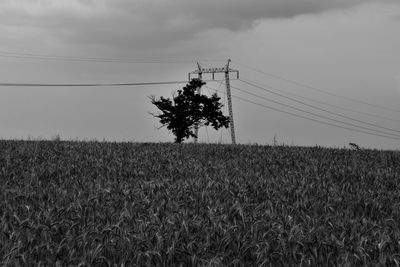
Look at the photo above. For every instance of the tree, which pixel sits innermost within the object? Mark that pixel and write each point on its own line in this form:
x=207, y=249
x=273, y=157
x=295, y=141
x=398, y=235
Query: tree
x=189, y=110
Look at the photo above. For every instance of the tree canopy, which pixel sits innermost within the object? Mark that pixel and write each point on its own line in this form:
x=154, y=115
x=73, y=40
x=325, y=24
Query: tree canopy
x=188, y=110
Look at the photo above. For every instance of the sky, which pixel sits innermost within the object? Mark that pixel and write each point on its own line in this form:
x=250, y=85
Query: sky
x=312, y=72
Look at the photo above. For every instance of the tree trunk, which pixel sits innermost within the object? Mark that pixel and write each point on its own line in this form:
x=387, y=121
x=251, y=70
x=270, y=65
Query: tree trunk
x=178, y=139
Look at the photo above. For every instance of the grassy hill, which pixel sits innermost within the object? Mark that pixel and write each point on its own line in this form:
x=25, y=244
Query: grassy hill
x=138, y=204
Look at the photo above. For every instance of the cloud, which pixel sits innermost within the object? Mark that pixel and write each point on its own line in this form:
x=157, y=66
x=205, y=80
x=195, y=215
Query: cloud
x=148, y=25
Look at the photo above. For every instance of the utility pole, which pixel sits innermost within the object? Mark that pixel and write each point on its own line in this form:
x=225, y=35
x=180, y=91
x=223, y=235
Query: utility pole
x=228, y=93
x=199, y=76
x=226, y=70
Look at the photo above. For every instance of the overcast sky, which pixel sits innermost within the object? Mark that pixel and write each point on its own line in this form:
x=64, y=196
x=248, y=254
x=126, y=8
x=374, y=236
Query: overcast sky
x=345, y=52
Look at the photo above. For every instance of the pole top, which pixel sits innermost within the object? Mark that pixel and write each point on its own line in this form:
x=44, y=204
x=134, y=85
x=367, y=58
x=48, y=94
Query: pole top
x=227, y=65
x=200, y=70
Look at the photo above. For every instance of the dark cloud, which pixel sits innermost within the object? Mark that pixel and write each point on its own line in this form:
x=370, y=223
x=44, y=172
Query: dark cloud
x=146, y=25
x=232, y=14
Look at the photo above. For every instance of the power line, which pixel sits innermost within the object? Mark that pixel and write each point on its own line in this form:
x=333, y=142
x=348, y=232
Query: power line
x=307, y=118
x=90, y=84
x=315, y=89
x=315, y=107
x=86, y=84
x=97, y=59
x=328, y=104
x=315, y=114
x=311, y=113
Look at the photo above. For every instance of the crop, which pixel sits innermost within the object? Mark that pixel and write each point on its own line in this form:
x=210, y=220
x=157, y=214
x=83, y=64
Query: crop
x=149, y=204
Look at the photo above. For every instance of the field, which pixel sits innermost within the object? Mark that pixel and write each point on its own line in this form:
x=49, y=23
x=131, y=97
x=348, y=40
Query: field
x=147, y=204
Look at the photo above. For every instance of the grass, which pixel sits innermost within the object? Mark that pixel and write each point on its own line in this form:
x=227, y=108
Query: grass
x=147, y=204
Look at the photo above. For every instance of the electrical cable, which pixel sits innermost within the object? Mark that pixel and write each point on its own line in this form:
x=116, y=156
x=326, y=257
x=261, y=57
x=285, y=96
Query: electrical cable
x=315, y=89
x=328, y=104
x=96, y=59
x=321, y=109
x=314, y=114
x=307, y=118
x=89, y=84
